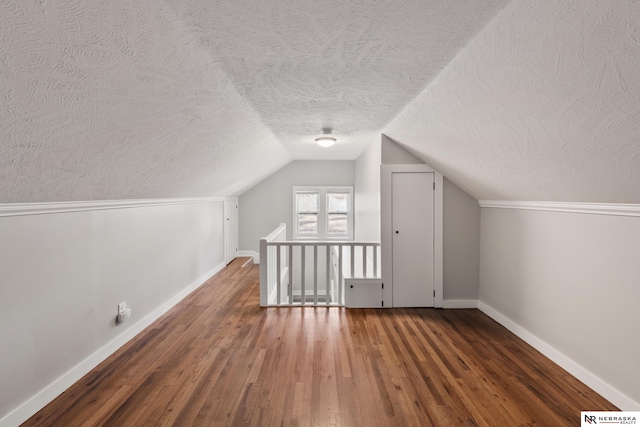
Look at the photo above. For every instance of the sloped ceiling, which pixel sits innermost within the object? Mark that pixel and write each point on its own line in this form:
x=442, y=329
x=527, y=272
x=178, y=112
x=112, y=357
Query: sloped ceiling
x=117, y=100
x=125, y=99
x=543, y=105
x=145, y=98
x=347, y=65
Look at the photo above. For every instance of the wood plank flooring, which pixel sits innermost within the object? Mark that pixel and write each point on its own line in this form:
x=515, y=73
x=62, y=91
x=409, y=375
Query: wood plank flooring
x=218, y=359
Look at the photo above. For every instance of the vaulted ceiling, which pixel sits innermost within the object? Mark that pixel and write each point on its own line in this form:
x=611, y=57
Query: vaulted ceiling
x=178, y=98
x=543, y=105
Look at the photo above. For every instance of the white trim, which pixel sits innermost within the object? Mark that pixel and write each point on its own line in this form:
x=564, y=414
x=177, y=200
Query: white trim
x=386, y=170
x=19, y=209
x=460, y=303
x=607, y=391
x=53, y=390
x=280, y=229
x=231, y=219
x=255, y=255
x=619, y=209
x=438, y=239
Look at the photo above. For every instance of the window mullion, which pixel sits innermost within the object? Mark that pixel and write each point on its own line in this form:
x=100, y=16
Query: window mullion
x=323, y=218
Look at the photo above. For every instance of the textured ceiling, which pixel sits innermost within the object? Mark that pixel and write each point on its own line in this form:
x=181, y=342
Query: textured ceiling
x=124, y=99
x=144, y=98
x=543, y=105
x=116, y=99
x=347, y=65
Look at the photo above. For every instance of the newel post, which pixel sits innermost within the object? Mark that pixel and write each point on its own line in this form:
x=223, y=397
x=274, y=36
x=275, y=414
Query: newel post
x=264, y=267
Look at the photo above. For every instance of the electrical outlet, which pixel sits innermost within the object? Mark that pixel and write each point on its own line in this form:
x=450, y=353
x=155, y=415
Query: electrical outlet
x=123, y=312
x=124, y=315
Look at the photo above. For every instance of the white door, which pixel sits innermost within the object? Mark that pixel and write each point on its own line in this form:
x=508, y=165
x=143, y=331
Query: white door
x=230, y=230
x=412, y=220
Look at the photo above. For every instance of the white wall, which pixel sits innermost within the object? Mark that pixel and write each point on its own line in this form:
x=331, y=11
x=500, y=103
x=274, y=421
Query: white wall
x=461, y=246
x=573, y=281
x=393, y=154
x=269, y=203
x=367, y=194
x=63, y=275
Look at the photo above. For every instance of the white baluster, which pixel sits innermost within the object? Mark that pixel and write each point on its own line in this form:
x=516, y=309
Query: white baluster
x=303, y=271
x=290, y=285
x=328, y=276
x=340, y=277
x=278, y=275
x=375, y=261
x=353, y=260
x=364, y=260
x=315, y=274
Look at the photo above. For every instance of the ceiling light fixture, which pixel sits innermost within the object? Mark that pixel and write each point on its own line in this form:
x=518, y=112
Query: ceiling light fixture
x=326, y=140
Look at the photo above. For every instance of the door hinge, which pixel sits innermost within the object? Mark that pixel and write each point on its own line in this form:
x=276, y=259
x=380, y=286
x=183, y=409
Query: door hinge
x=382, y=303
x=383, y=286
x=434, y=185
x=434, y=294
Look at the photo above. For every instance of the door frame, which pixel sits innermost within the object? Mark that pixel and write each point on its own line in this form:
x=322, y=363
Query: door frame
x=230, y=228
x=386, y=232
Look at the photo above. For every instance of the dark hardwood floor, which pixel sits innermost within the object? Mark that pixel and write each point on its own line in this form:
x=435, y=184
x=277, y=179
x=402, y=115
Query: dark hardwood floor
x=217, y=358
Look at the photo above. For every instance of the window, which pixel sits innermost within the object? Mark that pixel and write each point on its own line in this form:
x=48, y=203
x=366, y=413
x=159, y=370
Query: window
x=337, y=213
x=323, y=212
x=307, y=212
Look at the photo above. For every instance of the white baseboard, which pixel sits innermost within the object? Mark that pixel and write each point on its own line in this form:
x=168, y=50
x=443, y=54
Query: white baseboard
x=460, y=303
x=255, y=255
x=53, y=390
x=607, y=391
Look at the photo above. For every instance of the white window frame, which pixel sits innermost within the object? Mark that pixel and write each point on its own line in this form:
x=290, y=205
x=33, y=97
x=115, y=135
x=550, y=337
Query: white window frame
x=323, y=217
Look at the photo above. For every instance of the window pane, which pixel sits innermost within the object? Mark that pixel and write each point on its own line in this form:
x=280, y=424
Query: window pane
x=308, y=223
x=337, y=223
x=307, y=202
x=338, y=202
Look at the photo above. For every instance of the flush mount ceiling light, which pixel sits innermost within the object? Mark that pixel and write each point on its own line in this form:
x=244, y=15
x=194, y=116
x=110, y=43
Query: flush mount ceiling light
x=326, y=140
